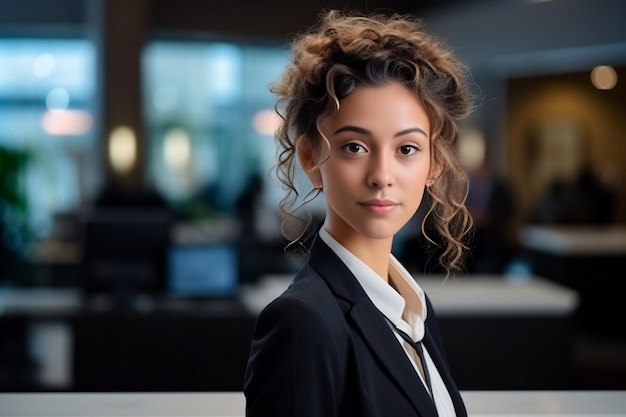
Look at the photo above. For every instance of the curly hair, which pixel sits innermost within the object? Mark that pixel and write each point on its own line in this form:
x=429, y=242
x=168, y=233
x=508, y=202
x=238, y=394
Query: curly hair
x=345, y=51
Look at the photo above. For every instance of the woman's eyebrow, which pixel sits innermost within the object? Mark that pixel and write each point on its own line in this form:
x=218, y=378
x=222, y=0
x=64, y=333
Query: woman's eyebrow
x=411, y=130
x=354, y=129
x=363, y=131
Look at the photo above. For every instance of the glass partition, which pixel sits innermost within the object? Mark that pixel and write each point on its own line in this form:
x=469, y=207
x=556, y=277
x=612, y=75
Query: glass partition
x=210, y=122
x=46, y=114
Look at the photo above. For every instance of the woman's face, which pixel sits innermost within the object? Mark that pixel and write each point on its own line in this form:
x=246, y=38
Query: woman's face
x=379, y=163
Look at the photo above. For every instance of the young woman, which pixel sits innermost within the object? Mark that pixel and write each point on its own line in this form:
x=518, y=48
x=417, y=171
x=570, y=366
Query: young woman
x=371, y=106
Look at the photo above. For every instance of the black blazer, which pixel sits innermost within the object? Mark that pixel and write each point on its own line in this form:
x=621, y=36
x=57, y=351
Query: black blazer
x=323, y=349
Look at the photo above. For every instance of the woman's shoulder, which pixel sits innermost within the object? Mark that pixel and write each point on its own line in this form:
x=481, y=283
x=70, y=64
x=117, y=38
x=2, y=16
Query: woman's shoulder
x=307, y=291
x=307, y=303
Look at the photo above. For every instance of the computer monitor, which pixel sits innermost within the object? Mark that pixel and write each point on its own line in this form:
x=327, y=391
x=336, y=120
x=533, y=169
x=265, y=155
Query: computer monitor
x=206, y=270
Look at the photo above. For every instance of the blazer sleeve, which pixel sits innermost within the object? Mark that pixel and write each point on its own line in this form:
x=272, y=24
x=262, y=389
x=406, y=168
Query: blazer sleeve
x=294, y=368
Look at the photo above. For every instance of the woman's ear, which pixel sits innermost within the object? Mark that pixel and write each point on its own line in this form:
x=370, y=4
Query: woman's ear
x=436, y=169
x=308, y=161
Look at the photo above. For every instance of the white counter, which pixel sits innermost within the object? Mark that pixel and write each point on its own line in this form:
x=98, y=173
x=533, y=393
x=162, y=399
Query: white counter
x=491, y=295
x=467, y=295
x=39, y=301
x=545, y=403
x=478, y=403
x=480, y=294
x=575, y=240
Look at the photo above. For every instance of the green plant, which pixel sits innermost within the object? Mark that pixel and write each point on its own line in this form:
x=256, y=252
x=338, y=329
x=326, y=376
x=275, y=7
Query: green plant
x=13, y=201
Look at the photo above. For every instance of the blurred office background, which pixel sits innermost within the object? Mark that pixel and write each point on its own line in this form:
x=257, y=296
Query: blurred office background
x=138, y=226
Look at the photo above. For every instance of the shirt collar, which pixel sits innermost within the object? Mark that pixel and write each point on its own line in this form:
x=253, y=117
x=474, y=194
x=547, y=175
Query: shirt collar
x=405, y=308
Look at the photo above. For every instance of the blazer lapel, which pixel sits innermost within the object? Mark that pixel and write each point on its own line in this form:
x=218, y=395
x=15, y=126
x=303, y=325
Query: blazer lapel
x=373, y=326
x=379, y=336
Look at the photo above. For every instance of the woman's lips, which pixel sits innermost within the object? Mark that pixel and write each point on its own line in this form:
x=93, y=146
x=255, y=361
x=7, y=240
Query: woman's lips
x=379, y=206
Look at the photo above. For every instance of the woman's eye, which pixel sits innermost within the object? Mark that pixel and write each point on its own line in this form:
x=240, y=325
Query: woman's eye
x=408, y=149
x=354, y=148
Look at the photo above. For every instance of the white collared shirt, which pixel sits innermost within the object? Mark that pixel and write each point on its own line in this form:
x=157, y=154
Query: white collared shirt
x=405, y=308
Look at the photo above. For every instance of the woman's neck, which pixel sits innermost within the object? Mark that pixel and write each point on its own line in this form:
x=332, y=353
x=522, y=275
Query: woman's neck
x=373, y=252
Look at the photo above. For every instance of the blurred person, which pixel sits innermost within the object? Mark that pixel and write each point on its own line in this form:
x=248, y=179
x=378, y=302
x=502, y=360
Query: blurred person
x=490, y=202
x=586, y=201
x=371, y=106
x=246, y=206
x=592, y=201
x=117, y=195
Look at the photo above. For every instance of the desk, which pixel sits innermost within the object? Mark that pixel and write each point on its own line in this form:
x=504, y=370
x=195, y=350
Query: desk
x=185, y=346
x=513, y=330
x=35, y=319
x=159, y=345
x=518, y=333
x=232, y=404
x=588, y=259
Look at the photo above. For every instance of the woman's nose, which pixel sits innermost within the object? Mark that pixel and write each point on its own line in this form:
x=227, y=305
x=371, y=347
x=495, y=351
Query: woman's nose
x=380, y=172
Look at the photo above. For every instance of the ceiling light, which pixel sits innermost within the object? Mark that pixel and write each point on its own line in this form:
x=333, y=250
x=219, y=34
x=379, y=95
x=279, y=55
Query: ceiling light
x=603, y=77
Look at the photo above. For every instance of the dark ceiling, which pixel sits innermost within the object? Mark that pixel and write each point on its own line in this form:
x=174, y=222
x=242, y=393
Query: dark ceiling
x=273, y=18
x=32, y=12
